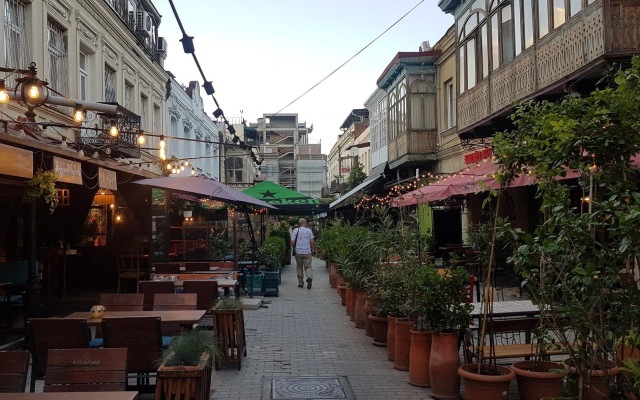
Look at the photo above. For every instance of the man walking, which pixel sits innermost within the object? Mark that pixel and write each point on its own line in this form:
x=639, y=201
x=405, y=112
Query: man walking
x=303, y=244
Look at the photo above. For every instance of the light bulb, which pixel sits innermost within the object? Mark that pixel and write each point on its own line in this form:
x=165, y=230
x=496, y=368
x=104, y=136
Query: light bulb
x=64, y=143
x=186, y=163
x=113, y=131
x=4, y=96
x=162, y=144
x=169, y=166
x=182, y=168
x=174, y=171
x=34, y=91
x=141, y=139
x=78, y=114
x=81, y=153
x=193, y=171
x=162, y=154
x=107, y=151
x=95, y=154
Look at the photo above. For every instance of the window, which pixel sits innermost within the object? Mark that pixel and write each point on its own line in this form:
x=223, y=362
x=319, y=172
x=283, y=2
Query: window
x=528, y=23
x=157, y=123
x=128, y=96
x=543, y=18
x=507, y=39
x=484, y=50
x=575, y=6
x=16, y=41
x=83, y=76
x=495, y=42
x=423, y=105
x=517, y=27
x=449, y=104
x=233, y=167
x=471, y=63
x=109, y=85
x=559, y=13
x=392, y=116
x=143, y=112
x=58, y=61
x=462, y=72
x=382, y=122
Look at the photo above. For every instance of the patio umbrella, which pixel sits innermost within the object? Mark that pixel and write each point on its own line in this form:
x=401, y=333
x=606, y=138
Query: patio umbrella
x=289, y=202
x=204, y=186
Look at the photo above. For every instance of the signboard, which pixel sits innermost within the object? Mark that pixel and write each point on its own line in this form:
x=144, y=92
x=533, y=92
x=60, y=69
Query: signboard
x=16, y=162
x=67, y=171
x=107, y=179
x=345, y=170
x=477, y=156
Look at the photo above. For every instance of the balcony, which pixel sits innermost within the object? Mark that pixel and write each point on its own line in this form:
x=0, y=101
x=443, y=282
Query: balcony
x=575, y=51
x=412, y=147
x=96, y=124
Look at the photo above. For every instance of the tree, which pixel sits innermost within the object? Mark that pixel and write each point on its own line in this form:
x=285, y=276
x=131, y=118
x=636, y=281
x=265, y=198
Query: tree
x=581, y=263
x=356, y=176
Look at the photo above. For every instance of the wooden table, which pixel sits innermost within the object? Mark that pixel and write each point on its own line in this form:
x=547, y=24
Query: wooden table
x=182, y=317
x=516, y=308
x=129, y=395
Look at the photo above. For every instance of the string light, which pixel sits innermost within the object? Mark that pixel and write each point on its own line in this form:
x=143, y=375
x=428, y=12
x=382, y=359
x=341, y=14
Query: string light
x=78, y=114
x=141, y=139
x=4, y=96
x=113, y=130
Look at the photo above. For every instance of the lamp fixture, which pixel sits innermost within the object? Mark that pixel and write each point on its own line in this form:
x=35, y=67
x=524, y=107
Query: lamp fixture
x=113, y=131
x=78, y=114
x=218, y=113
x=81, y=153
x=162, y=152
x=63, y=144
x=95, y=154
x=193, y=171
x=231, y=130
x=4, y=96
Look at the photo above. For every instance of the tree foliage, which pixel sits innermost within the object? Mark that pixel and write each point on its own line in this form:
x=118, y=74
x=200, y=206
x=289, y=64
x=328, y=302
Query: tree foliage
x=356, y=176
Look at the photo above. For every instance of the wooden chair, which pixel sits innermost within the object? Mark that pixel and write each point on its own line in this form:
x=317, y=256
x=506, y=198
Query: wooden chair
x=196, y=266
x=53, y=333
x=14, y=365
x=86, y=370
x=150, y=288
x=122, y=301
x=207, y=292
x=129, y=260
x=141, y=336
x=175, y=301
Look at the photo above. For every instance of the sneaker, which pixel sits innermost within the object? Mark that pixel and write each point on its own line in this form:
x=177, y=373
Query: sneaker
x=300, y=284
x=309, y=283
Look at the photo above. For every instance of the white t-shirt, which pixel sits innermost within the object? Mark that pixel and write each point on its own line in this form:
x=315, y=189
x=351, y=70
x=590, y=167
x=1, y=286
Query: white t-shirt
x=303, y=243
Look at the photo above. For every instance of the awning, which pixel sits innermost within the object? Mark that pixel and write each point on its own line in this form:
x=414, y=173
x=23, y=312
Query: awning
x=470, y=180
x=289, y=202
x=377, y=173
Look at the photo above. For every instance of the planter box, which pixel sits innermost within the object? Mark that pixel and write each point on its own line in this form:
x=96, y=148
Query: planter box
x=185, y=382
x=270, y=282
x=228, y=326
x=255, y=286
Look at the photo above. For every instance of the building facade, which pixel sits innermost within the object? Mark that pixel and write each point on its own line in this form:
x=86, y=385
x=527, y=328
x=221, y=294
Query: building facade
x=191, y=134
x=288, y=158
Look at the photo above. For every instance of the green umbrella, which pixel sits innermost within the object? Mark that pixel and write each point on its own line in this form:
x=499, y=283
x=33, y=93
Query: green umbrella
x=288, y=202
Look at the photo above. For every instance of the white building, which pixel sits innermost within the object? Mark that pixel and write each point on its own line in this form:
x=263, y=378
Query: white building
x=192, y=136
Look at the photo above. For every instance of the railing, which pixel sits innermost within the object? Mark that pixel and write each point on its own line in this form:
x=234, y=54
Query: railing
x=413, y=146
x=127, y=123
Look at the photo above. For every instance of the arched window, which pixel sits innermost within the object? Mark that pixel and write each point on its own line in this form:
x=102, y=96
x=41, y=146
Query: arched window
x=473, y=52
x=393, y=116
x=423, y=105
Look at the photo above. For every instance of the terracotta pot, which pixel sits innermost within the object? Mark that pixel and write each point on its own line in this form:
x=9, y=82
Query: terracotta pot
x=402, y=344
x=625, y=351
x=598, y=379
x=352, y=305
x=379, y=328
x=333, y=279
x=349, y=298
x=360, y=311
x=343, y=294
x=492, y=386
x=443, y=366
x=368, y=327
x=537, y=379
x=419, y=359
x=391, y=338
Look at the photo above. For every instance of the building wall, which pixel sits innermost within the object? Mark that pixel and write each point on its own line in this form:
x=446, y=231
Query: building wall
x=187, y=119
x=377, y=106
x=95, y=30
x=364, y=149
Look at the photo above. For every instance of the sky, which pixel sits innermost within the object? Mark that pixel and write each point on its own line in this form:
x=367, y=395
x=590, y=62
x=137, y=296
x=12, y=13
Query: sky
x=262, y=54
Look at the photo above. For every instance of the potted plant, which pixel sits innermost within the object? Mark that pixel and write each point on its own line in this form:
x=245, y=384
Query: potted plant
x=270, y=255
x=184, y=371
x=448, y=315
x=228, y=322
x=582, y=261
x=187, y=209
x=42, y=185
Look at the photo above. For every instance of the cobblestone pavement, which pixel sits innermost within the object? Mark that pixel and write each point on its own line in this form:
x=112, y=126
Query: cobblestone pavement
x=307, y=333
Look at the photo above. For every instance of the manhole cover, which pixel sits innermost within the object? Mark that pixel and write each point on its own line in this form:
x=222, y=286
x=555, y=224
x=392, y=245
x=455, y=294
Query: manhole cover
x=307, y=388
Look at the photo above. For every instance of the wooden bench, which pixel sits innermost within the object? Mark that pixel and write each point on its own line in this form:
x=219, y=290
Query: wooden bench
x=513, y=338
x=86, y=370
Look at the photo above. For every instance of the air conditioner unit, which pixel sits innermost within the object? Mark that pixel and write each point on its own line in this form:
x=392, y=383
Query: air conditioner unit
x=144, y=22
x=162, y=45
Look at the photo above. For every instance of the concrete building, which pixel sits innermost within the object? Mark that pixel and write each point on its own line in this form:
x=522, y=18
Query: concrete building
x=240, y=170
x=197, y=137
x=289, y=159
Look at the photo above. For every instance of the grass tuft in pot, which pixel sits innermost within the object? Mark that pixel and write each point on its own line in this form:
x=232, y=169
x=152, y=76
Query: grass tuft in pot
x=187, y=348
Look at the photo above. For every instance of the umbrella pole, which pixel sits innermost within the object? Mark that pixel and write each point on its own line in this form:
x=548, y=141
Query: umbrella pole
x=253, y=250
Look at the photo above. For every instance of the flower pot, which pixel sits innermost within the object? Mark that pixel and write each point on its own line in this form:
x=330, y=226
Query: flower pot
x=230, y=335
x=333, y=278
x=598, y=378
x=391, y=338
x=187, y=213
x=419, y=358
x=185, y=382
x=443, y=366
x=360, y=312
x=343, y=294
x=492, y=385
x=402, y=344
x=368, y=327
x=536, y=379
x=379, y=328
x=349, y=298
x=352, y=305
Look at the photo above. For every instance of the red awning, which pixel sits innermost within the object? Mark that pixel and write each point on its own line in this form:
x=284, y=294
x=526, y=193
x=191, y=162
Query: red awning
x=472, y=179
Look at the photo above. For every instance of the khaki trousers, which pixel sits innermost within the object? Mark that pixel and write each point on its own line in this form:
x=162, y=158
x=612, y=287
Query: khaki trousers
x=303, y=261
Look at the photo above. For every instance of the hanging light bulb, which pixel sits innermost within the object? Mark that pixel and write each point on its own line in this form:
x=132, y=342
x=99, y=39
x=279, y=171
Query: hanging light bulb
x=34, y=90
x=169, y=166
x=64, y=143
x=162, y=154
x=174, y=171
x=4, y=96
x=78, y=114
x=107, y=151
x=95, y=154
x=162, y=143
x=182, y=167
x=113, y=131
x=193, y=171
x=141, y=138
x=186, y=163
x=81, y=153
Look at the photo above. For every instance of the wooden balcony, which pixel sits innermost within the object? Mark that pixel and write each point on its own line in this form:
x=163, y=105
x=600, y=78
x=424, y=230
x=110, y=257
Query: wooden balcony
x=576, y=50
x=412, y=147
